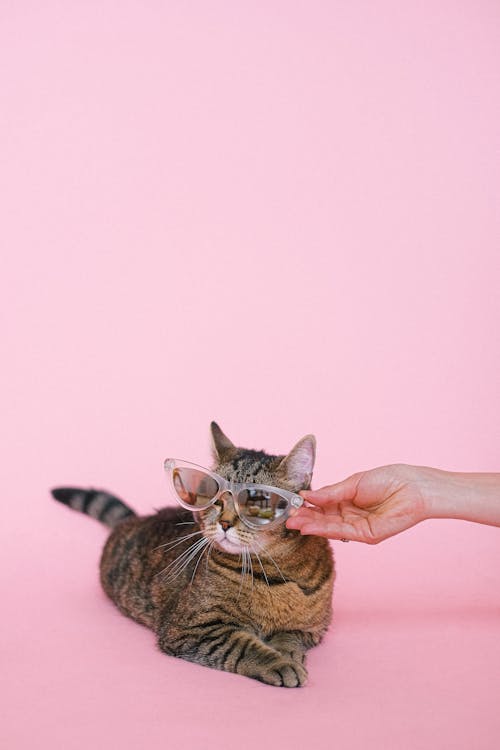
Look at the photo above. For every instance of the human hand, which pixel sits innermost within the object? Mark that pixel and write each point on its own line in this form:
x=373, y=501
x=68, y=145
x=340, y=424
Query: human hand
x=369, y=506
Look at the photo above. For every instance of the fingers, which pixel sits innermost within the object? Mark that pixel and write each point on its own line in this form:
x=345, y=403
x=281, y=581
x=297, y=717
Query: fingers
x=323, y=518
x=315, y=521
x=304, y=514
x=309, y=521
x=334, y=493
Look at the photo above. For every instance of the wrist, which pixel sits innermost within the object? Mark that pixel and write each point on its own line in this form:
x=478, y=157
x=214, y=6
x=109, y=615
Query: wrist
x=465, y=496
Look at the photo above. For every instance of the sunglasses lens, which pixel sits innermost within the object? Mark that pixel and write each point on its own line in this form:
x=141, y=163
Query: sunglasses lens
x=261, y=507
x=194, y=487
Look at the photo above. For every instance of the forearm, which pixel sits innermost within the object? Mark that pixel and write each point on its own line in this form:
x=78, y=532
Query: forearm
x=470, y=497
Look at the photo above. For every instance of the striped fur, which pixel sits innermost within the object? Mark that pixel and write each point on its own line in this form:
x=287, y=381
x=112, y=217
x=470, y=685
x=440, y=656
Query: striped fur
x=98, y=504
x=255, y=613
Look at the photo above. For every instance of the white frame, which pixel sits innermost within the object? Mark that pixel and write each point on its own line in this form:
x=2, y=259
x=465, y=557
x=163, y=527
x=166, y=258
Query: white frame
x=234, y=489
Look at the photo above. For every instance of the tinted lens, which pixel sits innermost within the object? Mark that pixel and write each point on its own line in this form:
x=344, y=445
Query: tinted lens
x=194, y=487
x=261, y=507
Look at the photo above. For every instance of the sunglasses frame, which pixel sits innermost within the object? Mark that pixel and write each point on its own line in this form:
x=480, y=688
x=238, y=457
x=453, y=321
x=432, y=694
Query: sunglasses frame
x=234, y=489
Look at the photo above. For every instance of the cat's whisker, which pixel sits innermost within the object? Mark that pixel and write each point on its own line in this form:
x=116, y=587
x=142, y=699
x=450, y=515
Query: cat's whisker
x=177, y=540
x=182, y=556
x=247, y=555
x=203, y=550
x=251, y=565
x=242, y=574
x=178, y=560
x=264, y=572
x=246, y=563
x=174, y=542
x=184, y=523
x=191, y=553
x=210, y=548
x=181, y=565
x=266, y=553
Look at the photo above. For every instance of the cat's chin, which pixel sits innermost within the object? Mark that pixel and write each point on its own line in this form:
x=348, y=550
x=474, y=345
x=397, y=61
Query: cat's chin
x=226, y=546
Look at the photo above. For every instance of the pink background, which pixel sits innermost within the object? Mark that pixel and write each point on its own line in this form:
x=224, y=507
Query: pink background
x=278, y=215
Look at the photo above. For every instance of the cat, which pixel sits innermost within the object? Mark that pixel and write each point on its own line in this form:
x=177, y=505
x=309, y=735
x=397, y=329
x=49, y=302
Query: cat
x=253, y=611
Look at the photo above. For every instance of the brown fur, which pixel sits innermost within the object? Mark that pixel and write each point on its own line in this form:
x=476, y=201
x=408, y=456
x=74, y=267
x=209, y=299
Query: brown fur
x=209, y=612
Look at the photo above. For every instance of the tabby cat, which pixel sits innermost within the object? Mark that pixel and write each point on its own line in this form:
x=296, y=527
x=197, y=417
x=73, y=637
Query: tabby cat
x=254, y=610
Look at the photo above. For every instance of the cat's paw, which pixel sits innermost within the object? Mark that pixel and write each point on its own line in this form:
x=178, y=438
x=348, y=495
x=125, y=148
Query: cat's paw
x=282, y=672
x=295, y=655
x=288, y=647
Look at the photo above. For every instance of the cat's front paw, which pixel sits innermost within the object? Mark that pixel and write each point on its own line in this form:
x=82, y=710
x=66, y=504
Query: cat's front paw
x=282, y=672
x=296, y=655
x=289, y=647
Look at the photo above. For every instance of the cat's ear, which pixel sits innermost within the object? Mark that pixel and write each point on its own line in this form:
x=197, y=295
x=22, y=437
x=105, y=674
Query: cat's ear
x=221, y=442
x=298, y=465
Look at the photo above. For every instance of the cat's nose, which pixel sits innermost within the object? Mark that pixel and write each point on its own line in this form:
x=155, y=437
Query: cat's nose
x=225, y=524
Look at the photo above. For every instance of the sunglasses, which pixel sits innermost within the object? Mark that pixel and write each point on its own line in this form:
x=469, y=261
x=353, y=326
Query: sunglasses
x=257, y=505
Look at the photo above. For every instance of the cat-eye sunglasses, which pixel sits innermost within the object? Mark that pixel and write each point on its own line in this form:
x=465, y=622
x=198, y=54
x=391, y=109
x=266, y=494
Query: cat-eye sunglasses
x=259, y=506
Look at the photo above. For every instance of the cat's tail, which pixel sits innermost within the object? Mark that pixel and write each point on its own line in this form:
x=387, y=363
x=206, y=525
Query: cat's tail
x=99, y=504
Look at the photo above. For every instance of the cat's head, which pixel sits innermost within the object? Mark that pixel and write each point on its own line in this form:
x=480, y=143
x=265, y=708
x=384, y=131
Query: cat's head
x=292, y=472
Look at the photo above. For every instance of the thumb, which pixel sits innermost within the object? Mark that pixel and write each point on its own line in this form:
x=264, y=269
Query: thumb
x=334, y=493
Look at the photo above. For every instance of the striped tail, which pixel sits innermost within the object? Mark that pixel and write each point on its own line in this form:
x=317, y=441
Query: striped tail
x=96, y=503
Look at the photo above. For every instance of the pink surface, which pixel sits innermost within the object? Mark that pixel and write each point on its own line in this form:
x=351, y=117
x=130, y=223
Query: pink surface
x=280, y=216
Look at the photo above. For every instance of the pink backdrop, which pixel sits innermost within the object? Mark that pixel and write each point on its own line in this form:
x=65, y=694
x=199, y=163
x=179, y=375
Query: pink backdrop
x=278, y=215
